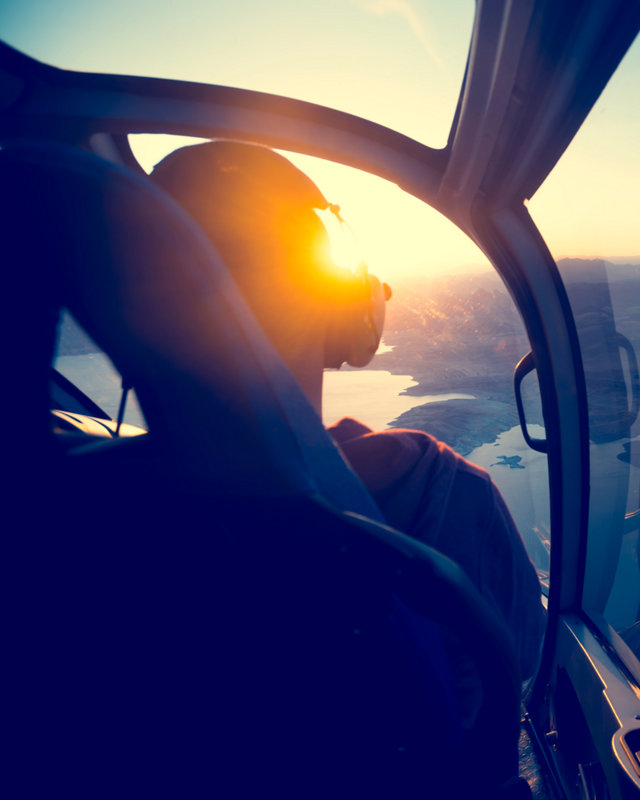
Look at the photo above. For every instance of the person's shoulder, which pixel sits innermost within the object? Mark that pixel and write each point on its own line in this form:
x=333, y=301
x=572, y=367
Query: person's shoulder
x=348, y=432
x=446, y=453
x=401, y=450
x=381, y=458
x=347, y=428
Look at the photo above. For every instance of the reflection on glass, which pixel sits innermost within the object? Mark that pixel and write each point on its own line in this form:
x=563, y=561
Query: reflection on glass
x=606, y=302
x=588, y=208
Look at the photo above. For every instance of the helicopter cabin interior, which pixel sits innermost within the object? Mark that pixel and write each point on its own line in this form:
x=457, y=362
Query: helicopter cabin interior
x=203, y=597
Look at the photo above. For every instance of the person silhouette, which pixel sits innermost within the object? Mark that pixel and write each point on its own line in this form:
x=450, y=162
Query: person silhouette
x=261, y=214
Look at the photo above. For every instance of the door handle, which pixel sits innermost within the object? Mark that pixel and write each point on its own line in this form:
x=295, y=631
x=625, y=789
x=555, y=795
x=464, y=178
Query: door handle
x=523, y=368
x=634, y=389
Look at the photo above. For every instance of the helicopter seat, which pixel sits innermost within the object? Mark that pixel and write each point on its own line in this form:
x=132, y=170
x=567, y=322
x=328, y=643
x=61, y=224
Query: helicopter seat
x=217, y=604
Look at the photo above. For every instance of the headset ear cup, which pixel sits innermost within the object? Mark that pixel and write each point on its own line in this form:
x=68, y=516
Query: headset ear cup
x=334, y=347
x=354, y=334
x=367, y=324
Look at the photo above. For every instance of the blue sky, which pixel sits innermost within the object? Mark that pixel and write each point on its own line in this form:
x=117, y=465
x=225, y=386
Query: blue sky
x=382, y=59
x=397, y=62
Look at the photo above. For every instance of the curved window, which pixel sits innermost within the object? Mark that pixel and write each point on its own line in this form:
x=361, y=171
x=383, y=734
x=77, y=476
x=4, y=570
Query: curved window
x=450, y=346
x=400, y=64
x=452, y=339
x=588, y=212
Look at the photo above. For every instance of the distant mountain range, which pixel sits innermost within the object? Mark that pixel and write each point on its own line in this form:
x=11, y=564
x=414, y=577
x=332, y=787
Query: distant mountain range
x=462, y=333
x=596, y=269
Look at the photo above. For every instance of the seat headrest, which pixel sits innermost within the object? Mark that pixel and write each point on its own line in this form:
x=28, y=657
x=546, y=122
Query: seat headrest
x=148, y=286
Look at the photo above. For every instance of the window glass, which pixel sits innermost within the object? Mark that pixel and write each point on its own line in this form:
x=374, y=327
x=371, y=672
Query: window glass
x=452, y=338
x=587, y=211
x=450, y=346
x=397, y=63
x=83, y=363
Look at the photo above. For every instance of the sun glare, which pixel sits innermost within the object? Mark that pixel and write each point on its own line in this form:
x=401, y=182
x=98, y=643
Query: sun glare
x=394, y=233
x=345, y=249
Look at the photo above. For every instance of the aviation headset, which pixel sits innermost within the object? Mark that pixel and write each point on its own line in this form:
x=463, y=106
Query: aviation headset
x=353, y=335
x=248, y=178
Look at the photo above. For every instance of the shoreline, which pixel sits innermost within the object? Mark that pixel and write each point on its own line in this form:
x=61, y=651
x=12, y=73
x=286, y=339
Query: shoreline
x=462, y=424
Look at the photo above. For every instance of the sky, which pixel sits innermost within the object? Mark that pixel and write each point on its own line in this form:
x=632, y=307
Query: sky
x=396, y=62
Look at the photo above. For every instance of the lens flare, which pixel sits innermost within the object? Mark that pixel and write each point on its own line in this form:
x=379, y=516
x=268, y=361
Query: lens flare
x=345, y=251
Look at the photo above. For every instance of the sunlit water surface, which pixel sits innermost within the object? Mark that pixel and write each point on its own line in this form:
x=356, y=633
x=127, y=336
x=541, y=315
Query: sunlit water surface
x=372, y=396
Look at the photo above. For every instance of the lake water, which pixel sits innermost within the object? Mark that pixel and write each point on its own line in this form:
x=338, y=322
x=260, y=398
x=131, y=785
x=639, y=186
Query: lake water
x=373, y=396
x=524, y=484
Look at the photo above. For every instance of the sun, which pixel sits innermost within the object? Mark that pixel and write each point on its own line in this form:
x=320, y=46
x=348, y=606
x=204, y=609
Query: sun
x=396, y=234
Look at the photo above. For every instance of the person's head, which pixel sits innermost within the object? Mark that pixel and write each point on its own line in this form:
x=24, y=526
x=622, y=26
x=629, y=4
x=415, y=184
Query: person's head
x=258, y=209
